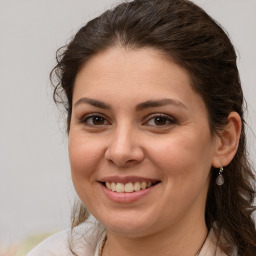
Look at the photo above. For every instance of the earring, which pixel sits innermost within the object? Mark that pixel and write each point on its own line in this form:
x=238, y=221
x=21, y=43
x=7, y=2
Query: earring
x=220, y=178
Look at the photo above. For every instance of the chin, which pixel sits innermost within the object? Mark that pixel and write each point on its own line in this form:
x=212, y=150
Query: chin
x=129, y=225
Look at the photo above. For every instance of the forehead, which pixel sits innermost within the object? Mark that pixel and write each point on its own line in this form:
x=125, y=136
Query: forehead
x=122, y=59
x=131, y=67
x=130, y=76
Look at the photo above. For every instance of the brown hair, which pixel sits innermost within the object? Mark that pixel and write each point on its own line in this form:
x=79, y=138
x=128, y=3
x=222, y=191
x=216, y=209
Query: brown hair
x=184, y=32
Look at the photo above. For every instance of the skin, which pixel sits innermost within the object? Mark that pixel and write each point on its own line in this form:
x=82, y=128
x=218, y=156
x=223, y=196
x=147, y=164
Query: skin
x=126, y=140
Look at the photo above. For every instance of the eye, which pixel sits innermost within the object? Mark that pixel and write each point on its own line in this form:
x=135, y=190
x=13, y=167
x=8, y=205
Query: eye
x=160, y=120
x=94, y=120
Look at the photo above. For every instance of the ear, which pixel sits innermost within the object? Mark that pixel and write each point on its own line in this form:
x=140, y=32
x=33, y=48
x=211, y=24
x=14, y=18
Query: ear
x=226, y=141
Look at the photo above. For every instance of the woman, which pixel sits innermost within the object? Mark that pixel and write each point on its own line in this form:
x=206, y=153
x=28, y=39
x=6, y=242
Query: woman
x=156, y=136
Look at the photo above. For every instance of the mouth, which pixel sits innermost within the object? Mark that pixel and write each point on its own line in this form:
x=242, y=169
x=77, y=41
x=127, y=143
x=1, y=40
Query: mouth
x=129, y=187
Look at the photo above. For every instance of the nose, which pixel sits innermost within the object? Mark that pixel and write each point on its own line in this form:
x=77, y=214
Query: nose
x=124, y=148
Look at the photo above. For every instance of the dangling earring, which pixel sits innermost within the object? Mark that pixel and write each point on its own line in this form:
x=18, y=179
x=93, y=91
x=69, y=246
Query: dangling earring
x=220, y=178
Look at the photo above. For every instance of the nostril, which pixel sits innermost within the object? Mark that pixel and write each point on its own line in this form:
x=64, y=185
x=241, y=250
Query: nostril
x=130, y=161
x=124, y=152
x=122, y=162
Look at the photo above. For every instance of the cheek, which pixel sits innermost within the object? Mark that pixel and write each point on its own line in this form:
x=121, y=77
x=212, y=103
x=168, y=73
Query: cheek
x=84, y=156
x=184, y=157
x=185, y=163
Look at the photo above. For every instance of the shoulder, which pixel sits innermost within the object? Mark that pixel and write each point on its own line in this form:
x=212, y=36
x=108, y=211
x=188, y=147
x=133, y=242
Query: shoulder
x=56, y=244
x=211, y=246
x=83, y=241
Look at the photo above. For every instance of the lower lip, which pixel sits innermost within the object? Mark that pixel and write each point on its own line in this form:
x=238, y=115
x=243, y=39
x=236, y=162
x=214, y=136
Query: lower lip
x=127, y=197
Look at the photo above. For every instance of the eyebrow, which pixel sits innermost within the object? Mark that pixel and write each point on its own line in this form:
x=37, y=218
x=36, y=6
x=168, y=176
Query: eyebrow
x=93, y=102
x=139, y=107
x=159, y=103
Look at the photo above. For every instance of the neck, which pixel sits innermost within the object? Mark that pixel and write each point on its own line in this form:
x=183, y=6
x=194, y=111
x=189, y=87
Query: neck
x=185, y=240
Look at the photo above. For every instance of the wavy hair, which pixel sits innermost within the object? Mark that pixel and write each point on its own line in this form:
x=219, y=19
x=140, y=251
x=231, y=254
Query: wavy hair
x=190, y=37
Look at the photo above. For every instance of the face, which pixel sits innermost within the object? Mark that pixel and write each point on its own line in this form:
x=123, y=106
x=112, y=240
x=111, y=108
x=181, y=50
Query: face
x=140, y=145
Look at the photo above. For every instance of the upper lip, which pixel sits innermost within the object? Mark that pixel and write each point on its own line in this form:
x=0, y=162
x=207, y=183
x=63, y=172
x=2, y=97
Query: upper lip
x=127, y=179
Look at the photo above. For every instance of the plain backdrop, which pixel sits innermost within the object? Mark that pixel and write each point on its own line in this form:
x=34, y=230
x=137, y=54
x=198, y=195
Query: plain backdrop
x=36, y=191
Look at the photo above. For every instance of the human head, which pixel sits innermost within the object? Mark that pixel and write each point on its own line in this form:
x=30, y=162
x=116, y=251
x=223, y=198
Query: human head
x=181, y=30
x=189, y=37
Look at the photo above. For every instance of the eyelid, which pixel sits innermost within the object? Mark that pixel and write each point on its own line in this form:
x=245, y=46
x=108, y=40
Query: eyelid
x=169, y=118
x=84, y=119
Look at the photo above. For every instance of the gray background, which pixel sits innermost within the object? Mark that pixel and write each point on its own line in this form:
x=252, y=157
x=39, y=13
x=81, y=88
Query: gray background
x=36, y=192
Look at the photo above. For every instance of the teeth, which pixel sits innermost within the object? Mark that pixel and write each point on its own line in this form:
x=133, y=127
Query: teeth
x=120, y=187
x=113, y=186
x=108, y=185
x=143, y=185
x=136, y=186
x=128, y=187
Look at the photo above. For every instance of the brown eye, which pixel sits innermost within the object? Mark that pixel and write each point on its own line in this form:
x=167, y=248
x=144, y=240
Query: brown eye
x=160, y=120
x=98, y=120
x=95, y=120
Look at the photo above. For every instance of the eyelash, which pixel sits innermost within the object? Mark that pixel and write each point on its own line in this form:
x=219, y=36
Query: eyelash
x=166, y=118
x=153, y=117
x=85, y=119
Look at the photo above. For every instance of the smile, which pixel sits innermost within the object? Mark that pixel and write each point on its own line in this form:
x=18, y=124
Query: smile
x=128, y=187
x=123, y=190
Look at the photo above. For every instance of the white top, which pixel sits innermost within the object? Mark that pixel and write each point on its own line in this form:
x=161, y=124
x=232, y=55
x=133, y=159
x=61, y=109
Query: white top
x=88, y=242
x=88, y=239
